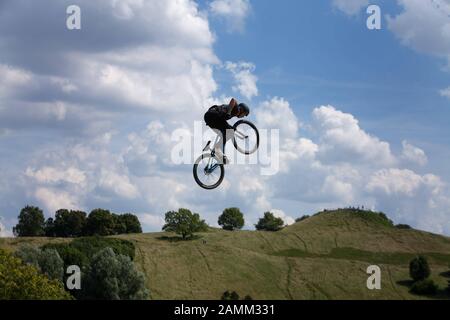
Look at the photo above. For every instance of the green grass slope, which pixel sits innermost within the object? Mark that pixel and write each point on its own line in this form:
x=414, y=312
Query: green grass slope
x=323, y=257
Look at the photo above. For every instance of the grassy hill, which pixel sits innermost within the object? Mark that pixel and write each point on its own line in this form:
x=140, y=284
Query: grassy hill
x=322, y=257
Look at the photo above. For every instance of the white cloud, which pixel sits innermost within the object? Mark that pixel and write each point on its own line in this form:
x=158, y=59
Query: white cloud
x=350, y=7
x=12, y=79
x=343, y=139
x=151, y=221
x=445, y=92
x=233, y=11
x=119, y=184
x=423, y=26
x=55, y=175
x=54, y=200
x=4, y=232
x=244, y=78
x=395, y=181
x=338, y=190
x=277, y=114
x=281, y=214
x=408, y=197
x=160, y=61
x=414, y=154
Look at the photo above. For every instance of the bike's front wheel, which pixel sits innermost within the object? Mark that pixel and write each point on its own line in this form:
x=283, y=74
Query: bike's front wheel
x=246, y=137
x=209, y=172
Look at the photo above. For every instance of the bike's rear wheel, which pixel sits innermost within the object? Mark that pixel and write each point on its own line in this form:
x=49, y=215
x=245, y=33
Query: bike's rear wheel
x=205, y=177
x=246, y=137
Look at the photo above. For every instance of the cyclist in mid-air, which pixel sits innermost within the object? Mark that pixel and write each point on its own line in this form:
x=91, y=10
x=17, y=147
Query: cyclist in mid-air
x=216, y=118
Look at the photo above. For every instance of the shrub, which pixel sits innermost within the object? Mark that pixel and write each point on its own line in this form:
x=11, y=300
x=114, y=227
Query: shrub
x=81, y=250
x=419, y=268
x=227, y=295
x=269, y=223
x=385, y=218
x=113, y=276
x=91, y=245
x=31, y=223
x=24, y=282
x=29, y=255
x=47, y=261
x=184, y=222
x=403, y=226
x=424, y=287
x=302, y=218
x=231, y=219
x=69, y=254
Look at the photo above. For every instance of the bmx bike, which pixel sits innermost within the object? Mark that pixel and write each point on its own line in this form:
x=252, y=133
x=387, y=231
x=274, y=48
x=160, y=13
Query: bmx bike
x=209, y=170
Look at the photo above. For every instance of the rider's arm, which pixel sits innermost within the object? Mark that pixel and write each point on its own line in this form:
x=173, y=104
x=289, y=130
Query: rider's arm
x=233, y=104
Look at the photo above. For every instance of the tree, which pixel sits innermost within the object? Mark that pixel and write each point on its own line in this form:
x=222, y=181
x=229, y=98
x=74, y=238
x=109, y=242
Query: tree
x=126, y=223
x=49, y=228
x=100, y=222
x=119, y=225
x=31, y=223
x=231, y=219
x=69, y=224
x=184, y=222
x=113, y=276
x=131, y=223
x=419, y=268
x=269, y=223
x=24, y=282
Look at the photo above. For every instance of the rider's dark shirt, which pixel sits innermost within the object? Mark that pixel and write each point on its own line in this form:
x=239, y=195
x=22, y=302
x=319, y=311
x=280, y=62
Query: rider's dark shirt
x=223, y=110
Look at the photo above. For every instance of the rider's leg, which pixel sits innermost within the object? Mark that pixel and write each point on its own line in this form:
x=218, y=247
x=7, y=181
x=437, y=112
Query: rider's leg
x=219, y=147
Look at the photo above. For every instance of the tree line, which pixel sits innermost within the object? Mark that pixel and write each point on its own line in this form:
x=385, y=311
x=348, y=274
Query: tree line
x=186, y=223
x=73, y=223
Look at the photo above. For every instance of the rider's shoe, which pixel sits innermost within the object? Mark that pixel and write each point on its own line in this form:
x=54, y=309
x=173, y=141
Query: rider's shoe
x=225, y=160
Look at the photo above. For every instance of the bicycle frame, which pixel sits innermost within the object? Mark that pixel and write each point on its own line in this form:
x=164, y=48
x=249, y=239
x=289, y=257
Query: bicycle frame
x=209, y=167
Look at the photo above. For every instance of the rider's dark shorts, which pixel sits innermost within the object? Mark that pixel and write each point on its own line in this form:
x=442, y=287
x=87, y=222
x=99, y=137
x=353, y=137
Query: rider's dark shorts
x=216, y=120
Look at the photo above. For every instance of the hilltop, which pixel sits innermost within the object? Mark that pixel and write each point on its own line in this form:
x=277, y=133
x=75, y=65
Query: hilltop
x=322, y=257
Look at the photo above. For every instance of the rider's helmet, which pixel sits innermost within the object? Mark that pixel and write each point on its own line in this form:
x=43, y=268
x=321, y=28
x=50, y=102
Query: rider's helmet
x=244, y=109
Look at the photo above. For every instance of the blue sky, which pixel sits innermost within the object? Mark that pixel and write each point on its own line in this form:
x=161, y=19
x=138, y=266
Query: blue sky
x=86, y=116
x=311, y=53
